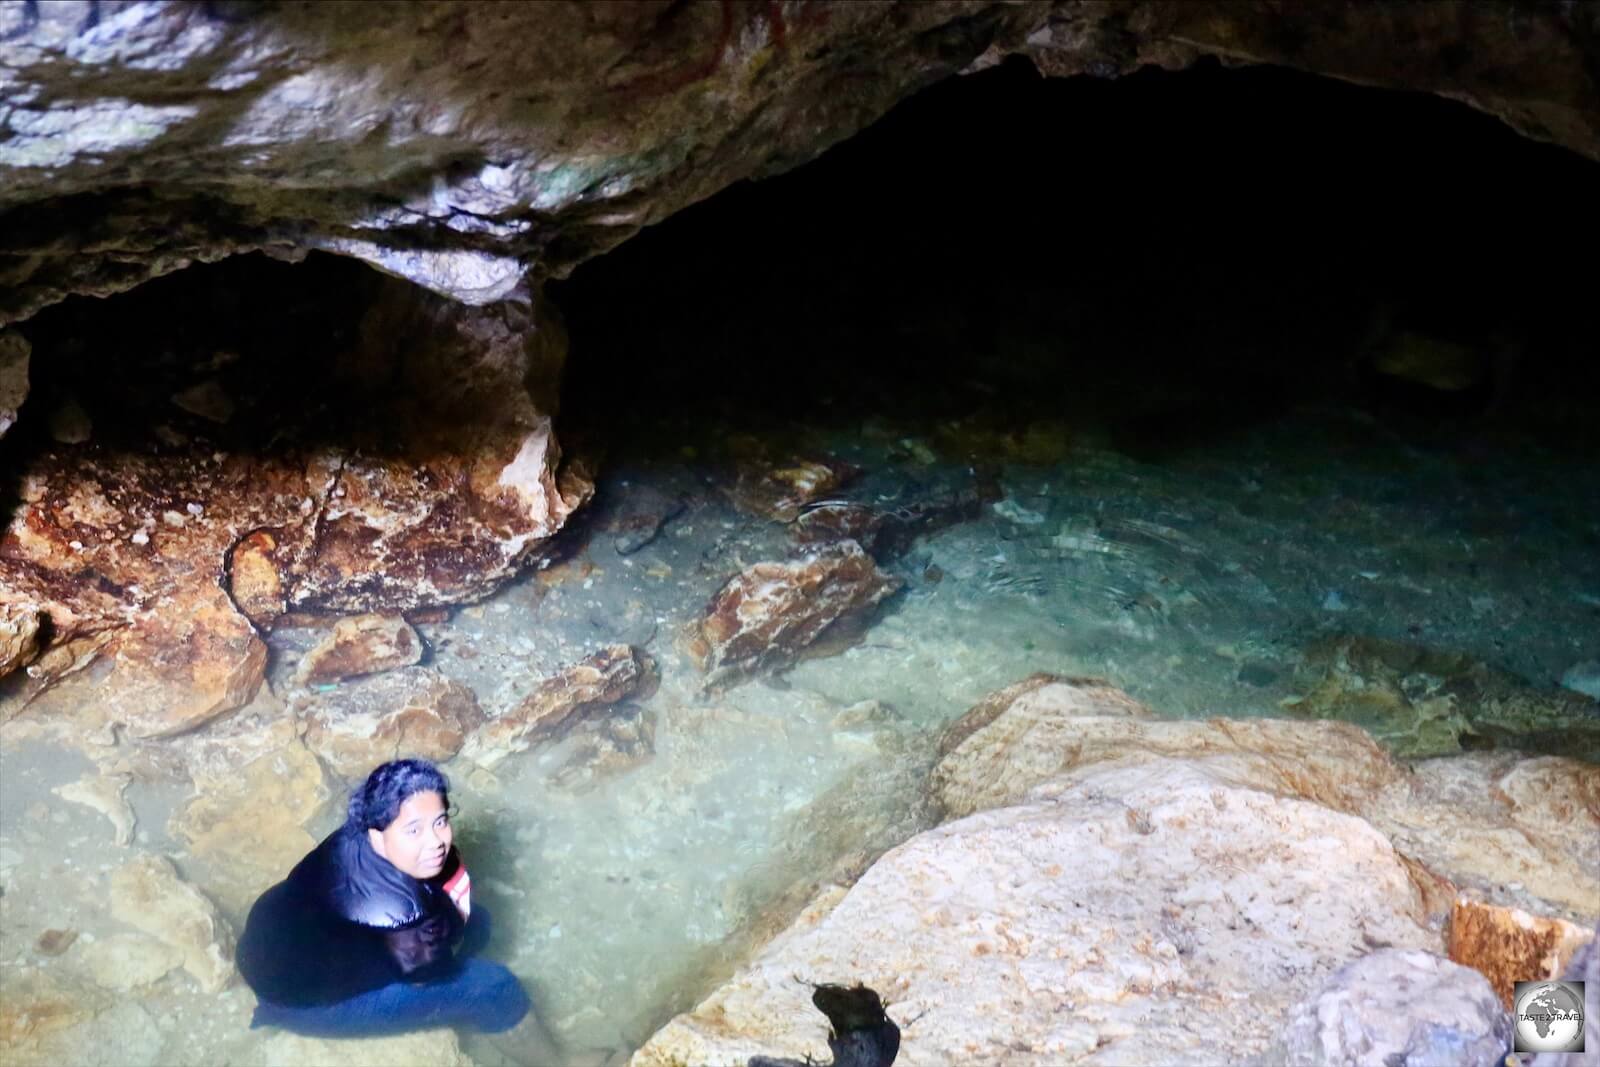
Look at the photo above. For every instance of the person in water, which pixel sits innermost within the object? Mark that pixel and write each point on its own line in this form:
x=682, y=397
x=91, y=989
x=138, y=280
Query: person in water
x=374, y=932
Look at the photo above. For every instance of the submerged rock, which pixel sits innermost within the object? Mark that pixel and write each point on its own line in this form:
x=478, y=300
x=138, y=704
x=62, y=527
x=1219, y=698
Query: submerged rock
x=1507, y=945
x=125, y=962
x=1425, y=702
x=1396, y=1008
x=147, y=894
x=363, y=644
x=104, y=793
x=414, y=711
x=247, y=823
x=769, y=614
x=602, y=679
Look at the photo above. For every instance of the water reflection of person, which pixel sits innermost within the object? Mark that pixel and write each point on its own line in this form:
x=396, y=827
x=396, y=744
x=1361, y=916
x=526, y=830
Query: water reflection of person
x=374, y=932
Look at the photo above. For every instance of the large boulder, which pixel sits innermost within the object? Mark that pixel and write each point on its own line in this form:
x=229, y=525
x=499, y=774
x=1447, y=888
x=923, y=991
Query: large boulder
x=1142, y=913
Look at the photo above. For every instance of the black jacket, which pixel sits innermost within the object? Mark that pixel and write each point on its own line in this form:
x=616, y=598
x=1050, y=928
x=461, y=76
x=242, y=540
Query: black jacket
x=347, y=921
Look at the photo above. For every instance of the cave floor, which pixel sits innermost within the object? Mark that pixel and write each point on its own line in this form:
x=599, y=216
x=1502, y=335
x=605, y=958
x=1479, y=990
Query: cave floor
x=1195, y=577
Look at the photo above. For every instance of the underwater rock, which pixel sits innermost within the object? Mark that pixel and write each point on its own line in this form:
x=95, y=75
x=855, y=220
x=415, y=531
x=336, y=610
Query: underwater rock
x=779, y=490
x=1399, y=1008
x=557, y=703
x=147, y=894
x=362, y=644
x=414, y=711
x=767, y=615
x=13, y=377
x=125, y=962
x=19, y=636
x=885, y=532
x=38, y=1006
x=1425, y=702
x=247, y=824
x=1580, y=678
x=1148, y=912
x=437, y=1048
x=1507, y=945
x=103, y=793
x=1517, y=831
x=613, y=746
x=643, y=512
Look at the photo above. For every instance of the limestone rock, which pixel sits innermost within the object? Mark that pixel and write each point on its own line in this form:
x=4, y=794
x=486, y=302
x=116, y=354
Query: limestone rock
x=604, y=678
x=436, y=1048
x=14, y=351
x=1041, y=696
x=39, y=1004
x=778, y=491
x=1507, y=945
x=247, y=826
x=435, y=496
x=19, y=636
x=1396, y=1008
x=1423, y=702
x=363, y=644
x=460, y=145
x=1147, y=913
x=125, y=962
x=1047, y=731
x=1517, y=831
x=147, y=894
x=103, y=793
x=640, y=516
x=770, y=613
x=414, y=711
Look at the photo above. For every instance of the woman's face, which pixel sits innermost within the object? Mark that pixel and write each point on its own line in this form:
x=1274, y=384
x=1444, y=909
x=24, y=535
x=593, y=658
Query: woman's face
x=418, y=840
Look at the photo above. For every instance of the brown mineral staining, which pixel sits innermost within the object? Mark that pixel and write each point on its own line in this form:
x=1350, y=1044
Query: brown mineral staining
x=778, y=492
x=769, y=613
x=413, y=711
x=1509, y=945
x=559, y=702
x=362, y=644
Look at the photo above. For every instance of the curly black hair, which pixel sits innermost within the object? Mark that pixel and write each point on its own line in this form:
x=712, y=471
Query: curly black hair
x=376, y=802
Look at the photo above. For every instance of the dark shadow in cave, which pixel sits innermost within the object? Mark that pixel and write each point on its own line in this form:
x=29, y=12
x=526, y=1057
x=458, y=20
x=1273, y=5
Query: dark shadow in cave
x=1171, y=257
x=240, y=355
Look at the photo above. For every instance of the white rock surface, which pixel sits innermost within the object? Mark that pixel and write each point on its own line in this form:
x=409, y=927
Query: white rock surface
x=1396, y=1008
x=1137, y=914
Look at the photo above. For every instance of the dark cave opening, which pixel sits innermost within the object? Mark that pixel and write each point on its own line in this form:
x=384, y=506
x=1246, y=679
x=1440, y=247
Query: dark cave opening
x=243, y=354
x=1169, y=256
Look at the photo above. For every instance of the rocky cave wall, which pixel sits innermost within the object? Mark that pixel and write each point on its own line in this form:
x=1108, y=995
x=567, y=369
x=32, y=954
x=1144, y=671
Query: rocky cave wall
x=473, y=150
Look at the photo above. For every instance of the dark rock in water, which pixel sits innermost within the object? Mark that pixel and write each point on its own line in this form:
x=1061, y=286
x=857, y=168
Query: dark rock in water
x=862, y=1033
x=642, y=518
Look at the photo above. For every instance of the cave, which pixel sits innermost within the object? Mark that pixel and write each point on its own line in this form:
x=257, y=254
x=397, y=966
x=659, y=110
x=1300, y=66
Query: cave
x=1102, y=539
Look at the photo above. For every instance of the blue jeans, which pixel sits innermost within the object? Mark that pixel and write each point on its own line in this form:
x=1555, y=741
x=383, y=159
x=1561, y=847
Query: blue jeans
x=480, y=995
